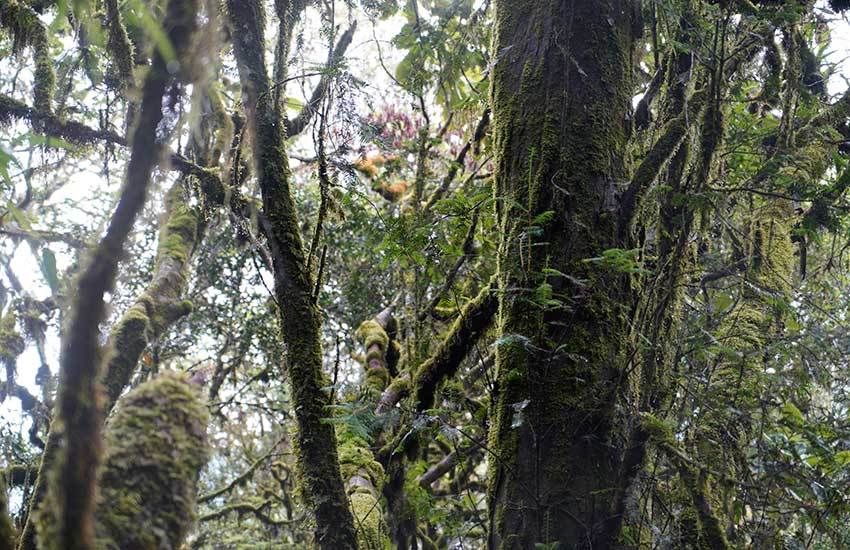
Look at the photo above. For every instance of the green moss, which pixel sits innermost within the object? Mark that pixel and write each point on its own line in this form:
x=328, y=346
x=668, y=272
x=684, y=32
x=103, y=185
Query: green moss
x=371, y=531
x=656, y=429
x=364, y=477
x=223, y=122
x=11, y=343
x=356, y=460
x=120, y=46
x=155, y=448
x=28, y=31
x=371, y=333
x=178, y=237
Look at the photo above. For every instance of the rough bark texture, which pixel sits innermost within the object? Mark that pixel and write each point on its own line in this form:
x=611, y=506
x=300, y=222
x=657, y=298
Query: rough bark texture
x=300, y=317
x=561, y=103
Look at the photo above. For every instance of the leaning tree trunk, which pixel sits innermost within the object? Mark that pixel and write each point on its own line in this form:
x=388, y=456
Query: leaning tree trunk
x=561, y=88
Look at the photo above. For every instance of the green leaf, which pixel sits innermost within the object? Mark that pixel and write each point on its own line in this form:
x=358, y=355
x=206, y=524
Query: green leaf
x=792, y=415
x=6, y=158
x=140, y=14
x=48, y=268
x=19, y=216
x=543, y=218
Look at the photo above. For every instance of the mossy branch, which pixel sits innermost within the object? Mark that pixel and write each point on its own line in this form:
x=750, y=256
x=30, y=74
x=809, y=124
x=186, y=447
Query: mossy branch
x=120, y=46
x=238, y=480
x=27, y=30
x=160, y=305
x=473, y=321
x=363, y=474
x=319, y=468
x=45, y=122
x=692, y=475
x=215, y=190
x=156, y=447
x=68, y=512
x=256, y=509
x=655, y=160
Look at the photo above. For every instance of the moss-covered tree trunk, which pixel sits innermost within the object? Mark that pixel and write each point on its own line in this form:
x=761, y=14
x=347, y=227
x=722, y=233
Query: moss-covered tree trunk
x=300, y=317
x=561, y=88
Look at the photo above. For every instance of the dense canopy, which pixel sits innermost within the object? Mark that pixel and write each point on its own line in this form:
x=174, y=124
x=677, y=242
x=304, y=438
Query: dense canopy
x=424, y=274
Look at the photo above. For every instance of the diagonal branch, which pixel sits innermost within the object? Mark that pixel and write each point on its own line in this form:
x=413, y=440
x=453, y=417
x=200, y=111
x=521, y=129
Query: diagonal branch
x=473, y=321
x=160, y=305
x=477, y=136
x=300, y=122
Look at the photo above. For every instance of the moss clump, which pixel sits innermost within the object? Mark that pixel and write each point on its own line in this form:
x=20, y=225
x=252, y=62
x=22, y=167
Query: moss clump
x=656, y=429
x=11, y=343
x=364, y=478
x=120, y=46
x=155, y=448
x=371, y=531
x=371, y=333
x=374, y=338
x=356, y=460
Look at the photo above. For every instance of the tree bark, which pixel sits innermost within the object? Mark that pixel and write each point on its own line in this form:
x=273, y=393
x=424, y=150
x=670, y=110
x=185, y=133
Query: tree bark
x=560, y=92
x=299, y=315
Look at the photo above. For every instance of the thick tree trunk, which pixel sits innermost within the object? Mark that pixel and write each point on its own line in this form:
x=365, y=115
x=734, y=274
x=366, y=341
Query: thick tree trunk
x=561, y=88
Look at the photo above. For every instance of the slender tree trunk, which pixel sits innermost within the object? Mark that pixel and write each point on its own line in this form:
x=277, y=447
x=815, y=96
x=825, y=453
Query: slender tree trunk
x=300, y=317
x=561, y=88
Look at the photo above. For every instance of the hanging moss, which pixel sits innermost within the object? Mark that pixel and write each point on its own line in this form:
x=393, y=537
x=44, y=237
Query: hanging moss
x=224, y=125
x=120, y=47
x=28, y=31
x=156, y=446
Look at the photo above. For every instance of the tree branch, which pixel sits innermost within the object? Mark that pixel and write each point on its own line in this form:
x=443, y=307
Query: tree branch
x=474, y=319
x=300, y=122
x=71, y=491
x=457, y=164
